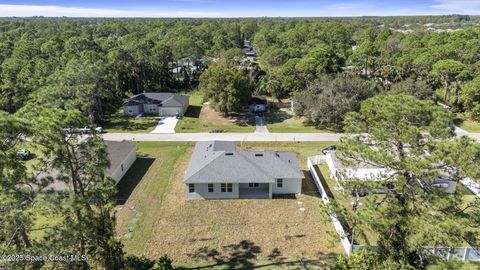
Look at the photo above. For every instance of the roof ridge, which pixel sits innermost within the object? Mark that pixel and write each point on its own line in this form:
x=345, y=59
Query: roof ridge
x=289, y=165
x=205, y=165
x=254, y=165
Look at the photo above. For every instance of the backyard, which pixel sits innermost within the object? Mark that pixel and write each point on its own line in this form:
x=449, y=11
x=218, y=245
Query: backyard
x=220, y=234
x=202, y=118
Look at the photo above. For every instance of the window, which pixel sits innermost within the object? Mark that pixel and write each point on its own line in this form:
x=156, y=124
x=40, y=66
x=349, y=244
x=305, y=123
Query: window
x=210, y=188
x=121, y=166
x=226, y=187
x=279, y=183
x=253, y=185
x=191, y=188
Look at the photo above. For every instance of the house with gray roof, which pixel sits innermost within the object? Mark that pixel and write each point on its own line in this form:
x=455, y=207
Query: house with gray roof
x=161, y=103
x=122, y=155
x=217, y=170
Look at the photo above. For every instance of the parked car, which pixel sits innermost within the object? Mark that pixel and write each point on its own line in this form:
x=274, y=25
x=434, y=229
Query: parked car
x=67, y=130
x=23, y=154
x=84, y=130
x=88, y=130
x=329, y=149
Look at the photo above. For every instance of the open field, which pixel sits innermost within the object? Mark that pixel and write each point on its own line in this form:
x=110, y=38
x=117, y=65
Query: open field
x=202, y=118
x=225, y=233
x=283, y=121
x=118, y=123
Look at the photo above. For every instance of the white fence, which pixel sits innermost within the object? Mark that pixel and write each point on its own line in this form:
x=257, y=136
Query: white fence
x=472, y=185
x=311, y=162
x=460, y=253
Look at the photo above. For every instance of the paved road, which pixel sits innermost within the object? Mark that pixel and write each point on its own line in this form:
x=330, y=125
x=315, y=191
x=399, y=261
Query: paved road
x=261, y=137
x=187, y=137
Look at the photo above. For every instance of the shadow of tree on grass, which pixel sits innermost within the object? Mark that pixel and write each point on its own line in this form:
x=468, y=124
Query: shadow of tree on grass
x=234, y=256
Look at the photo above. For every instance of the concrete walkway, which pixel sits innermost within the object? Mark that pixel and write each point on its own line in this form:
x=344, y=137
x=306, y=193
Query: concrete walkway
x=194, y=137
x=260, y=125
x=166, y=125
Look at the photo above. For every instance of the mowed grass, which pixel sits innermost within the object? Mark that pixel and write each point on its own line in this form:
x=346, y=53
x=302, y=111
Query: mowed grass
x=236, y=234
x=142, y=190
x=118, y=123
x=284, y=121
x=470, y=126
x=201, y=118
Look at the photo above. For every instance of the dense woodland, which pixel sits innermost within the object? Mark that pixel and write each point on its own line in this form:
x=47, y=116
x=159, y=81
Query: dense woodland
x=57, y=73
x=93, y=64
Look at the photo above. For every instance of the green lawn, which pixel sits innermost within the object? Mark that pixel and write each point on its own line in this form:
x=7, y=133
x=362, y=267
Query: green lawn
x=467, y=124
x=226, y=234
x=118, y=123
x=201, y=118
x=283, y=121
x=142, y=189
x=470, y=126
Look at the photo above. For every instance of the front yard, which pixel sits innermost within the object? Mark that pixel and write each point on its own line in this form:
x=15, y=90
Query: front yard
x=283, y=121
x=118, y=123
x=467, y=124
x=157, y=219
x=201, y=118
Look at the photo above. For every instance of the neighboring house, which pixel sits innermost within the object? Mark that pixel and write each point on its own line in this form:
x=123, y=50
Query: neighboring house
x=162, y=104
x=367, y=172
x=121, y=154
x=358, y=170
x=218, y=171
x=248, y=49
x=257, y=104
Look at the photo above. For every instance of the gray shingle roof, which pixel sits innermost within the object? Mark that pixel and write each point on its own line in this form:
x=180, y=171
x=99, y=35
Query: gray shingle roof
x=220, y=162
x=117, y=152
x=163, y=99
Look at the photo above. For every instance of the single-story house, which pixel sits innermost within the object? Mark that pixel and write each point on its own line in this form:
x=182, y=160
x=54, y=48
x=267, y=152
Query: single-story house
x=121, y=154
x=358, y=170
x=368, y=172
x=217, y=170
x=257, y=104
x=161, y=103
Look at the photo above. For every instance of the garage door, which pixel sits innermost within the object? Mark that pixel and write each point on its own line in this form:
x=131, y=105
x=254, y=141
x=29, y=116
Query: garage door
x=170, y=111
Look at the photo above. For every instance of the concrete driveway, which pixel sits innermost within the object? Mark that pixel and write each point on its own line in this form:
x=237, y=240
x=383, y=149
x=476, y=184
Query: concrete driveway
x=166, y=125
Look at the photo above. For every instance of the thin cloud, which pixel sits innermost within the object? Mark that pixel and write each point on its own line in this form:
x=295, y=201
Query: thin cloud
x=460, y=6
x=58, y=11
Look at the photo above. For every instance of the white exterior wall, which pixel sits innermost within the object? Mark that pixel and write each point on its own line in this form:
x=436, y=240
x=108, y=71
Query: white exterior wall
x=290, y=186
x=170, y=111
x=150, y=108
x=135, y=110
x=201, y=192
x=127, y=163
x=374, y=174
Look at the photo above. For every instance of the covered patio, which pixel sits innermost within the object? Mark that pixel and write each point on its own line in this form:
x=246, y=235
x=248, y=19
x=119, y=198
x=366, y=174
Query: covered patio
x=254, y=191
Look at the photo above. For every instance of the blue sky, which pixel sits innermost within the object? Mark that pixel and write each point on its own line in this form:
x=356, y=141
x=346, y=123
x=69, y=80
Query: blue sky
x=243, y=8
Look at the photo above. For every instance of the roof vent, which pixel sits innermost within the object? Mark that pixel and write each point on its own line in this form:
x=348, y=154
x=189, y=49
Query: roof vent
x=277, y=154
x=259, y=155
x=228, y=154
